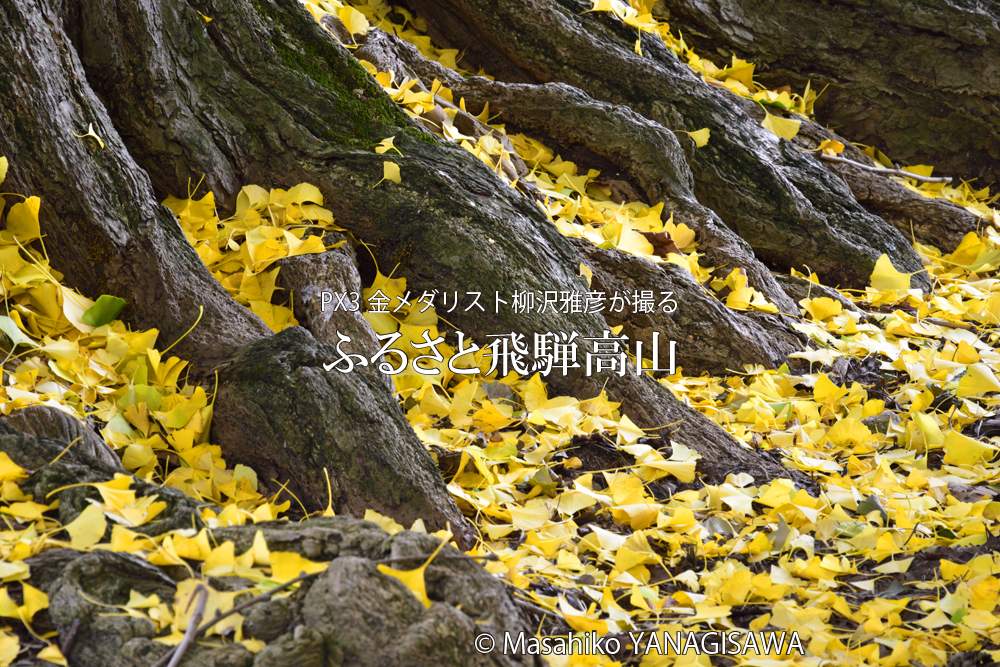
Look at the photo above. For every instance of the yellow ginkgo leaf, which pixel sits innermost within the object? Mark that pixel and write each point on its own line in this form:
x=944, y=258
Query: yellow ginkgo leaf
x=390, y=171
x=14, y=571
x=3, y=169
x=849, y=431
x=886, y=277
x=932, y=432
x=10, y=646
x=10, y=470
x=700, y=136
x=329, y=496
x=628, y=432
x=34, y=601
x=386, y=145
x=90, y=133
x=22, y=220
x=51, y=653
x=963, y=450
x=822, y=308
x=786, y=128
x=831, y=147
x=354, y=21
x=414, y=579
x=978, y=380
x=88, y=528
x=286, y=565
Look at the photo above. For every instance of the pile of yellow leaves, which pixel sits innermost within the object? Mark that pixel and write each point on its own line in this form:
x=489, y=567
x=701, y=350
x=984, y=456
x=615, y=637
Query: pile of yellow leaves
x=266, y=227
x=157, y=423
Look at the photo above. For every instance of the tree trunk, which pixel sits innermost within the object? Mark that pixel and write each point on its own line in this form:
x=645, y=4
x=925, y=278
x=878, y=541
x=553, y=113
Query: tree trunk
x=791, y=210
x=260, y=95
x=916, y=79
x=107, y=234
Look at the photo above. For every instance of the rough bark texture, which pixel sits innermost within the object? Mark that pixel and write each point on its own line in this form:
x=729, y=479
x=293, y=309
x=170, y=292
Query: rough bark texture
x=791, y=210
x=710, y=337
x=306, y=277
x=268, y=97
x=351, y=614
x=289, y=418
x=636, y=156
x=47, y=422
x=935, y=222
x=926, y=90
x=321, y=289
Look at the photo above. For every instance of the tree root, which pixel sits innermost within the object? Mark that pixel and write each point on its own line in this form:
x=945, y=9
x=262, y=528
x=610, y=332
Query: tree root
x=790, y=209
x=935, y=222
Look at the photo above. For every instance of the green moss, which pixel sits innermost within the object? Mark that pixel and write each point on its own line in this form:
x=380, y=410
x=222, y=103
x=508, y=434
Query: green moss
x=370, y=115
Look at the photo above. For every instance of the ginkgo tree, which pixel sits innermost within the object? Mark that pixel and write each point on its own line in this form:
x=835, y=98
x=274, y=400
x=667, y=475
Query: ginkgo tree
x=287, y=119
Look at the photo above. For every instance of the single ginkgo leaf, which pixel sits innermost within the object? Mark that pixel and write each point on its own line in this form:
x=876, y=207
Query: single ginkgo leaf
x=34, y=601
x=932, y=432
x=10, y=646
x=51, y=653
x=978, y=379
x=3, y=168
x=390, y=171
x=104, y=310
x=329, y=496
x=12, y=331
x=886, y=277
x=22, y=220
x=831, y=147
x=354, y=21
x=963, y=450
x=700, y=136
x=785, y=128
x=286, y=565
x=88, y=528
x=414, y=579
x=90, y=133
x=386, y=145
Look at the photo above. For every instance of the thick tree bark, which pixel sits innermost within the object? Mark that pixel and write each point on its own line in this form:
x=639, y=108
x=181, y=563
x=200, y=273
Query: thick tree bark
x=791, y=210
x=107, y=234
x=917, y=79
x=265, y=96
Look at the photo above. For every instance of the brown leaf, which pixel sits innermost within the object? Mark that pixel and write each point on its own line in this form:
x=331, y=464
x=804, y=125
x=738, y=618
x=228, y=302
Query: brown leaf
x=663, y=245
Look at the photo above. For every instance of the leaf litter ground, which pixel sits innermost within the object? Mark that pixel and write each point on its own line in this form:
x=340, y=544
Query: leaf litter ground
x=604, y=528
